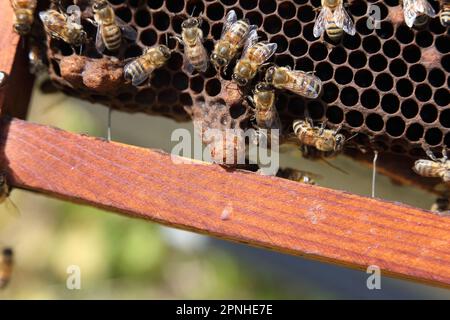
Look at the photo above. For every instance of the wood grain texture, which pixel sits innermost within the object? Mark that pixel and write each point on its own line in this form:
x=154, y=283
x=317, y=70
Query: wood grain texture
x=268, y=212
x=15, y=95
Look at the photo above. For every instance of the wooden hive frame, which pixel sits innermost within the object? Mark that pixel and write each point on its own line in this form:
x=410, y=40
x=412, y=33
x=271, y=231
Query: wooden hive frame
x=268, y=212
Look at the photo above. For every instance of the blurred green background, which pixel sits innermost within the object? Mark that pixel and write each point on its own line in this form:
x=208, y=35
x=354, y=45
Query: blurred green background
x=123, y=258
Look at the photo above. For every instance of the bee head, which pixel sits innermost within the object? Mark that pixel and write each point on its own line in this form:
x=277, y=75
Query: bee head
x=243, y=71
x=263, y=87
x=99, y=5
x=340, y=139
x=165, y=51
x=241, y=81
x=191, y=23
x=218, y=61
x=22, y=28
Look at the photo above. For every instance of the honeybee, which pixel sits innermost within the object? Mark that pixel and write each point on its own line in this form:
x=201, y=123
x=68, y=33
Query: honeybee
x=233, y=36
x=6, y=267
x=436, y=168
x=324, y=140
x=23, y=15
x=297, y=175
x=254, y=55
x=196, y=56
x=141, y=68
x=442, y=205
x=4, y=188
x=333, y=19
x=110, y=28
x=444, y=14
x=263, y=100
x=5, y=200
x=62, y=27
x=415, y=10
x=299, y=82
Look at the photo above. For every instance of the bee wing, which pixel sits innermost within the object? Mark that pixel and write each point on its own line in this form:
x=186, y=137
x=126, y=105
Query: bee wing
x=127, y=31
x=272, y=47
x=250, y=40
x=206, y=65
x=99, y=44
x=43, y=15
x=187, y=66
x=50, y=21
x=229, y=20
x=423, y=6
x=343, y=20
x=305, y=88
x=409, y=12
x=320, y=24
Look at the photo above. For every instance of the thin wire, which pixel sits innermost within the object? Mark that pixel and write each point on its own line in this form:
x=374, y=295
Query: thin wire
x=374, y=172
x=193, y=10
x=109, y=124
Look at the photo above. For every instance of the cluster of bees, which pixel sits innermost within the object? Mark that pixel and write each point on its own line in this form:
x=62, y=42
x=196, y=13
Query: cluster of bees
x=238, y=36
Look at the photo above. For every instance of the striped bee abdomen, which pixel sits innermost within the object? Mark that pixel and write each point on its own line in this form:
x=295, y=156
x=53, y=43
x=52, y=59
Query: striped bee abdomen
x=444, y=15
x=112, y=36
x=133, y=69
x=258, y=52
x=333, y=31
x=237, y=31
x=427, y=168
x=197, y=57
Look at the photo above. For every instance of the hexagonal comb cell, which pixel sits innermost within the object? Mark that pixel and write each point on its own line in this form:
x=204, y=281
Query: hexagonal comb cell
x=389, y=83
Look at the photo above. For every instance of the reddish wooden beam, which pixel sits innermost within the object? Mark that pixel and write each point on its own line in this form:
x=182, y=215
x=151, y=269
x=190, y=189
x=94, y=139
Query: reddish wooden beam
x=268, y=212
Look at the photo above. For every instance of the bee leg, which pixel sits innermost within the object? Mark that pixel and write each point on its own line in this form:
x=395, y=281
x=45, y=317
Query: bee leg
x=91, y=21
x=178, y=39
x=430, y=154
x=444, y=155
x=339, y=129
x=322, y=127
x=252, y=102
x=309, y=120
x=125, y=61
x=267, y=65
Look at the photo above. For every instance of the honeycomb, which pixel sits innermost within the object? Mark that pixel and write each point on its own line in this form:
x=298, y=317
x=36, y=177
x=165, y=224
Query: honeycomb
x=390, y=85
